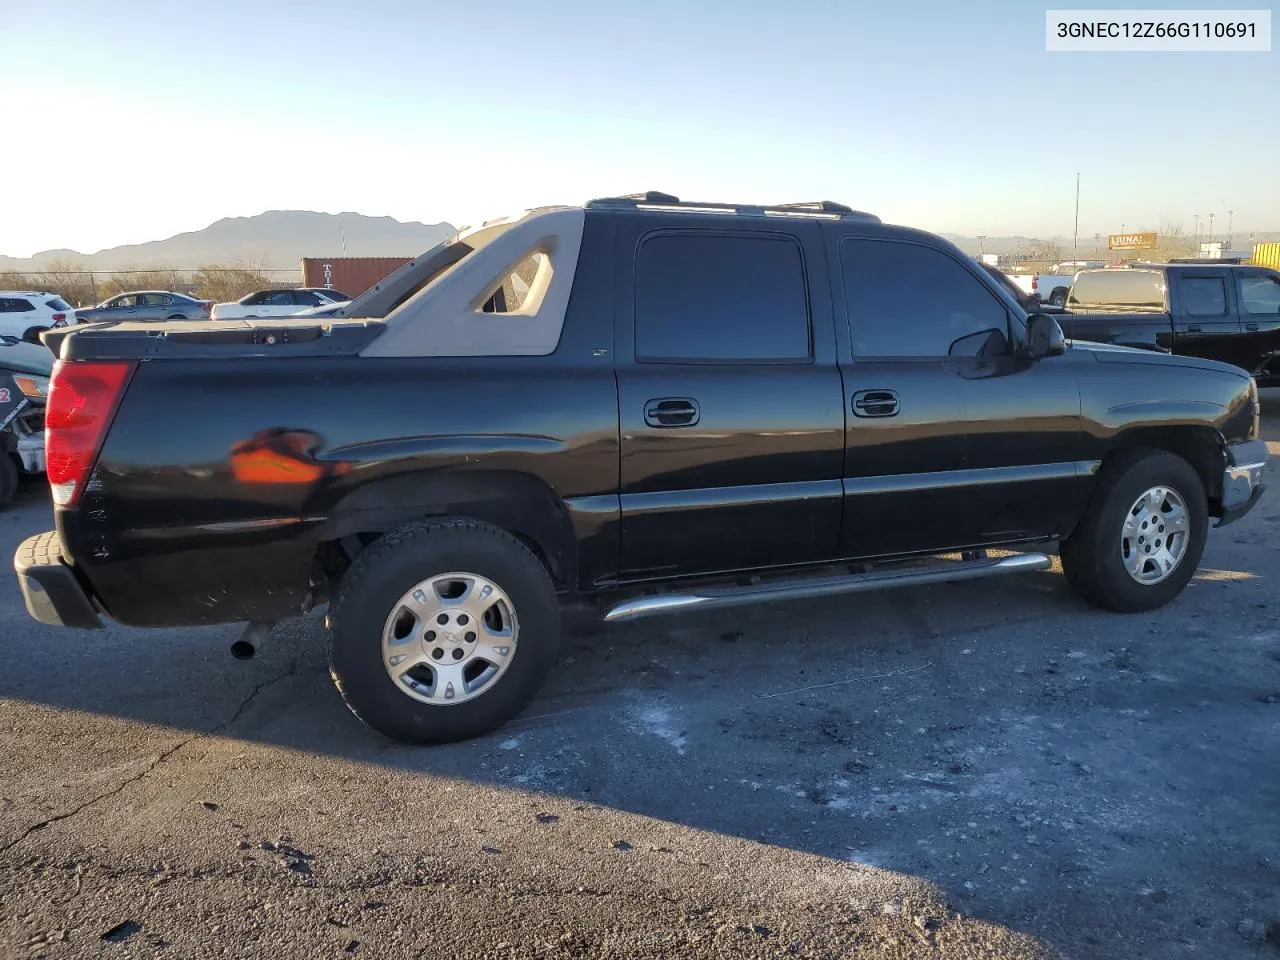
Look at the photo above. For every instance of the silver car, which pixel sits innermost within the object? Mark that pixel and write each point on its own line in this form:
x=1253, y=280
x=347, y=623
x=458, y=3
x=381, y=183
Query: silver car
x=147, y=305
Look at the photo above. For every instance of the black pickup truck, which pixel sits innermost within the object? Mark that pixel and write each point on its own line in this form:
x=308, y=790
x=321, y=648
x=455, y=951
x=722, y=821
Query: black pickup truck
x=1227, y=312
x=653, y=405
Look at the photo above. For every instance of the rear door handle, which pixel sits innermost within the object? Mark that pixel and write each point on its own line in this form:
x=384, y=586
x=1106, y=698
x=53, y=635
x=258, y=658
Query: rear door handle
x=1194, y=328
x=671, y=412
x=875, y=403
x=1251, y=327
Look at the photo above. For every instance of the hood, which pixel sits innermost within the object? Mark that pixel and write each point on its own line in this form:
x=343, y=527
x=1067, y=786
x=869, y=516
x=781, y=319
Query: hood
x=17, y=356
x=1114, y=353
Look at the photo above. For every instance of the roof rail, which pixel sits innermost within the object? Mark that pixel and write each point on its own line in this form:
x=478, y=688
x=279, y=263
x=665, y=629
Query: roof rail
x=654, y=199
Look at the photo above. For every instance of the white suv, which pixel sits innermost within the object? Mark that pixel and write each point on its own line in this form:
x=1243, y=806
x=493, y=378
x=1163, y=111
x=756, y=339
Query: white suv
x=26, y=314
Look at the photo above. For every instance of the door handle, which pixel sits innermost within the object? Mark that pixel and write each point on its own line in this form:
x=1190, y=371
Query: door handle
x=875, y=403
x=1194, y=328
x=1251, y=327
x=671, y=412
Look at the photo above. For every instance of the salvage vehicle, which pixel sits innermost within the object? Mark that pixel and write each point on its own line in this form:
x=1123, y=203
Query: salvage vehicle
x=653, y=405
x=281, y=302
x=26, y=313
x=1226, y=312
x=1050, y=288
x=150, y=305
x=24, y=383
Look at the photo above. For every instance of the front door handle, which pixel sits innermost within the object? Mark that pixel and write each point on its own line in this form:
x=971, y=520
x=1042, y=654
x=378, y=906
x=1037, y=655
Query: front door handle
x=1251, y=327
x=671, y=412
x=1193, y=328
x=875, y=403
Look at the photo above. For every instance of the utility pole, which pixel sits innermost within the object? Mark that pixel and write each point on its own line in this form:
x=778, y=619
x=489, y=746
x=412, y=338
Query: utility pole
x=1229, y=216
x=1211, y=226
x=982, y=247
x=1075, y=234
x=1195, y=231
x=1097, y=239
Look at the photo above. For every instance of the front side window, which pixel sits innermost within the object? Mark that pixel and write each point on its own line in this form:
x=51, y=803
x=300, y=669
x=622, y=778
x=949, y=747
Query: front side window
x=128, y=300
x=907, y=300
x=721, y=298
x=1259, y=294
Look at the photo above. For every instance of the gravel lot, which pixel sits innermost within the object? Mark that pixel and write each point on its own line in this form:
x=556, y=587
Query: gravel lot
x=978, y=770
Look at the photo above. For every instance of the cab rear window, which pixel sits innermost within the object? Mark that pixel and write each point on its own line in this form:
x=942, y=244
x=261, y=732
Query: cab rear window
x=1119, y=288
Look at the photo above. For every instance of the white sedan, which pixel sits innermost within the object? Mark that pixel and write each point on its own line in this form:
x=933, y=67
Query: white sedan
x=282, y=302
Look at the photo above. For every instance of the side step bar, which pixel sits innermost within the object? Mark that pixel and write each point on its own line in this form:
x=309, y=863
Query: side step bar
x=712, y=598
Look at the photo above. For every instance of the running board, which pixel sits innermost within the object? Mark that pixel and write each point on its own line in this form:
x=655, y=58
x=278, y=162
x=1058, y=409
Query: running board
x=711, y=598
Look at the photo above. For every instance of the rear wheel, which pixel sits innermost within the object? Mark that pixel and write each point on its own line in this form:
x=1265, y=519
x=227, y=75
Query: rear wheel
x=1059, y=297
x=442, y=630
x=33, y=335
x=1143, y=534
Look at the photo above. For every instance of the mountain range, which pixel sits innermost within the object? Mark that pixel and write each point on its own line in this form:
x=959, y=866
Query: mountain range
x=275, y=240
x=278, y=239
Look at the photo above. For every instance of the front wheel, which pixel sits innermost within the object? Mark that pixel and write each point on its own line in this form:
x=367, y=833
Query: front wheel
x=442, y=630
x=1142, y=535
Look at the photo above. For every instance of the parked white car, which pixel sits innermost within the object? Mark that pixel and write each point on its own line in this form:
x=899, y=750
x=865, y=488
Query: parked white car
x=26, y=314
x=282, y=302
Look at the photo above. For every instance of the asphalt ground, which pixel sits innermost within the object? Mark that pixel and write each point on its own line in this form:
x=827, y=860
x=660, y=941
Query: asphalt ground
x=986, y=769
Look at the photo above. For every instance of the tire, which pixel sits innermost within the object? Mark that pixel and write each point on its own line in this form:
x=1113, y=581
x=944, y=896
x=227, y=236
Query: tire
x=1058, y=298
x=8, y=477
x=401, y=564
x=33, y=335
x=1093, y=557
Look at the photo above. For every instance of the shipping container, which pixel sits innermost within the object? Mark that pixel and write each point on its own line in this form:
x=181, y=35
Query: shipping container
x=351, y=275
x=1267, y=255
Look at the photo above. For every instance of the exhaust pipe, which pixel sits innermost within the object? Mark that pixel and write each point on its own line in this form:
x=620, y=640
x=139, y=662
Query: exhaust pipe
x=254, y=634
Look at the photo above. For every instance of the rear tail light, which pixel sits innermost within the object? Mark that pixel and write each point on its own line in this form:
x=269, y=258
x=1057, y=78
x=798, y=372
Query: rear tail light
x=59, y=317
x=82, y=400
x=1035, y=283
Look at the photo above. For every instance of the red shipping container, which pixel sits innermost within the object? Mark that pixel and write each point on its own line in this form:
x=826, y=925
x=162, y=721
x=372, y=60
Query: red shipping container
x=352, y=275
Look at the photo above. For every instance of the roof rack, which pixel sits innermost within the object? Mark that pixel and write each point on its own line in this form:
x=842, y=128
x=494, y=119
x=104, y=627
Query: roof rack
x=656, y=200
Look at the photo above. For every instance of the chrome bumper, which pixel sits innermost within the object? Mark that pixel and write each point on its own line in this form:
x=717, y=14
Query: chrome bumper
x=1242, y=483
x=30, y=451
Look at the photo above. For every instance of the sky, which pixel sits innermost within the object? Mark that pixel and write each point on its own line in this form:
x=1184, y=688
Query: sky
x=135, y=120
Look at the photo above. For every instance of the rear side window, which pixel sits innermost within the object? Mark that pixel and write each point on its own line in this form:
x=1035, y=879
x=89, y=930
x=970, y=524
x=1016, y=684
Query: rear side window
x=1260, y=294
x=1204, y=296
x=1119, y=288
x=906, y=300
x=305, y=298
x=721, y=298
x=57, y=303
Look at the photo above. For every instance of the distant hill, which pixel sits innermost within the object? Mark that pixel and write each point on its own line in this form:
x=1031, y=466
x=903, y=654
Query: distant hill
x=274, y=240
x=1022, y=245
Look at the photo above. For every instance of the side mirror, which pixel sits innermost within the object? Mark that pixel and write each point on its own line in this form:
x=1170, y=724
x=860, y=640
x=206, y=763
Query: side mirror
x=1045, y=337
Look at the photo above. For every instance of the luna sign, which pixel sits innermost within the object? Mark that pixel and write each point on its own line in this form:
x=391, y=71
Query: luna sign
x=1131, y=241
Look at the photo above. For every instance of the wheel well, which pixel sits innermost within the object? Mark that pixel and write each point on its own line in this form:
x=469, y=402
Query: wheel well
x=522, y=505
x=1199, y=446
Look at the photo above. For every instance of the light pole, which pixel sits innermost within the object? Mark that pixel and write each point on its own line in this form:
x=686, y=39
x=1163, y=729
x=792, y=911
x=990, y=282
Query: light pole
x=1211, y=226
x=1075, y=234
x=982, y=247
x=1229, y=215
x=1195, y=231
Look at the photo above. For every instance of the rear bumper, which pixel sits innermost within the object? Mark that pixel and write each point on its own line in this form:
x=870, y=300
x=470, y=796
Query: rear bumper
x=1242, y=484
x=49, y=586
